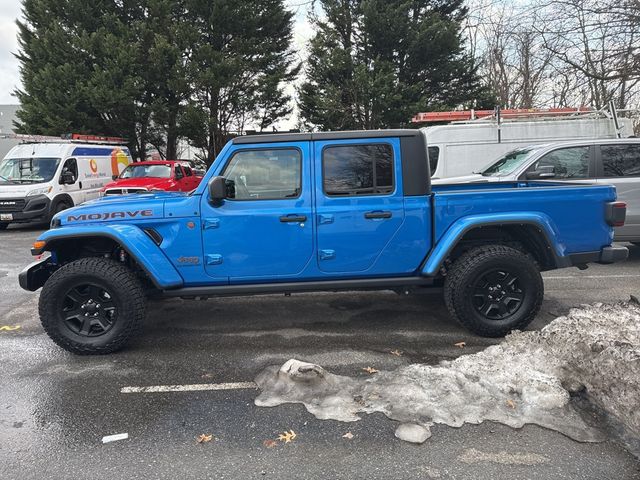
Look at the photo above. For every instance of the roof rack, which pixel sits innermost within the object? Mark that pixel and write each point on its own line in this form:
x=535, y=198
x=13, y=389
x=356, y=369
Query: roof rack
x=67, y=138
x=504, y=114
x=82, y=138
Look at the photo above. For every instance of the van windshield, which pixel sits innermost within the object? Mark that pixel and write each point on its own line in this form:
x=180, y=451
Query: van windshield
x=28, y=170
x=153, y=170
x=508, y=163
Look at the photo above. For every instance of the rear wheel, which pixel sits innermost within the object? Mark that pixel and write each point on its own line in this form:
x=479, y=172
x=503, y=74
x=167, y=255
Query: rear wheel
x=92, y=306
x=3, y=226
x=494, y=289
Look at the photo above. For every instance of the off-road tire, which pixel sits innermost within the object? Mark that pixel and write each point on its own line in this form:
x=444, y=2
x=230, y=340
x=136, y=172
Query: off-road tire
x=118, y=281
x=461, y=285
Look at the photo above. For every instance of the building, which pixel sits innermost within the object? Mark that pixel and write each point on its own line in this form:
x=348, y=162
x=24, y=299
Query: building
x=7, y=116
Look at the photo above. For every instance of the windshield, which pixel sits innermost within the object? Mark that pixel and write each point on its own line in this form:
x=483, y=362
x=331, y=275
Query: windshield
x=140, y=171
x=508, y=163
x=28, y=170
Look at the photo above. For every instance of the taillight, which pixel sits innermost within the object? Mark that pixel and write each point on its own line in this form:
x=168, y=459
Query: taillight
x=616, y=213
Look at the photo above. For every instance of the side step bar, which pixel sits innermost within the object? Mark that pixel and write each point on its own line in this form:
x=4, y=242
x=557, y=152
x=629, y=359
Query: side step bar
x=291, y=287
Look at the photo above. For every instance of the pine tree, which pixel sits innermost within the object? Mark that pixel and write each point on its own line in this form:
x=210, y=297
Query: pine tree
x=239, y=63
x=154, y=71
x=375, y=63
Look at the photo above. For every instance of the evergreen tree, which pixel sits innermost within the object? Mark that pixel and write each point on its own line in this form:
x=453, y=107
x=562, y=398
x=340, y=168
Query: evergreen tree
x=239, y=63
x=153, y=70
x=375, y=63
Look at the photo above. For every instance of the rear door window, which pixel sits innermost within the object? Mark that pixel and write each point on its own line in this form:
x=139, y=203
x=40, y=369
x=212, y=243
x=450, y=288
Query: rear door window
x=434, y=155
x=351, y=170
x=620, y=160
x=567, y=163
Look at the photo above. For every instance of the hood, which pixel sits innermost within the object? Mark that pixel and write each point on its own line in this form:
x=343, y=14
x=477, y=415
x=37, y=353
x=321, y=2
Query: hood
x=12, y=190
x=137, y=182
x=473, y=178
x=125, y=208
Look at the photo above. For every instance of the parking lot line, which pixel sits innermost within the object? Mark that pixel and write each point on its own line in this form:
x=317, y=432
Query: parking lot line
x=567, y=277
x=190, y=388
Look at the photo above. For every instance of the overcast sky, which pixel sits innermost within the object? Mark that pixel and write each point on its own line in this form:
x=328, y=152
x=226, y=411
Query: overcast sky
x=9, y=68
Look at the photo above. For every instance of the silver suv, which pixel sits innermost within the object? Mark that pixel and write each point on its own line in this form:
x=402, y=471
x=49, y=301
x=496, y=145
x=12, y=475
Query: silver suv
x=614, y=161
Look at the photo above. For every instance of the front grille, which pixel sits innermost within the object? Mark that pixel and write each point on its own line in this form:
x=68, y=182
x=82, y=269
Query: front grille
x=124, y=191
x=8, y=205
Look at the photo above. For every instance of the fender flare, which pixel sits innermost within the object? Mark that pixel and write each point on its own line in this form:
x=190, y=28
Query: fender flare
x=454, y=234
x=133, y=240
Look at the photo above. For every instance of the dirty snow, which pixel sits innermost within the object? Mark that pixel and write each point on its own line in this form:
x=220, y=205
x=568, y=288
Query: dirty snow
x=593, y=353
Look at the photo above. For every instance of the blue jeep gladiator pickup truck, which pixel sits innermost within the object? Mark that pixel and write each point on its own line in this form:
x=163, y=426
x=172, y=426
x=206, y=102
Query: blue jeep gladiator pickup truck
x=317, y=212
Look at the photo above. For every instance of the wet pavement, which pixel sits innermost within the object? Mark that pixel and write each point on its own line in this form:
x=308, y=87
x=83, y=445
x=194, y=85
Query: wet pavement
x=55, y=407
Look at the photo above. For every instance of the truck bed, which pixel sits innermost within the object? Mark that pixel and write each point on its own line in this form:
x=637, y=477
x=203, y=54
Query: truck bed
x=572, y=212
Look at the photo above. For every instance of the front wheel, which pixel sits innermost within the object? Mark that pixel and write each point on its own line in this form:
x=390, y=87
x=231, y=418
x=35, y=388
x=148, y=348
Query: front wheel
x=92, y=306
x=494, y=289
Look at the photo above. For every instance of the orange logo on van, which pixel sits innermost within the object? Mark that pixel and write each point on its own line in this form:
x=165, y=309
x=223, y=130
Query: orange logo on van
x=93, y=165
x=118, y=157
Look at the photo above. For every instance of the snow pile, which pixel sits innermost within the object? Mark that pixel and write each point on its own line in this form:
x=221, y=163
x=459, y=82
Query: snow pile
x=531, y=377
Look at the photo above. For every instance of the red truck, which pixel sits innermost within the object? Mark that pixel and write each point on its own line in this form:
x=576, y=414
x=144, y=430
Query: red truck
x=168, y=175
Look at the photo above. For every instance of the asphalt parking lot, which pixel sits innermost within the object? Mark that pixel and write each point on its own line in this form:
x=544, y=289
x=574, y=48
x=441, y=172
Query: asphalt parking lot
x=55, y=407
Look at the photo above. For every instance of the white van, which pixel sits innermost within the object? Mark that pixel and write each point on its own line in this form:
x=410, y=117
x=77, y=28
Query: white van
x=463, y=148
x=38, y=180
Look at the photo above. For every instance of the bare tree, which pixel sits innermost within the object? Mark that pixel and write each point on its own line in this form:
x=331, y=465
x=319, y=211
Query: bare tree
x=599, y=42
x=511, y=56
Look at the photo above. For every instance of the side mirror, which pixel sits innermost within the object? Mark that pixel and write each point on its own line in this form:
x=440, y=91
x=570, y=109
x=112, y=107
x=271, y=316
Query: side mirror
x=114, y=177
x=67, y=178
x=543, y=171
x=217, y=190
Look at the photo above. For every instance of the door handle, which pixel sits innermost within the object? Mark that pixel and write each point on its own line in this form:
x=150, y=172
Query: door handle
x=379, y=214
x=293, y=218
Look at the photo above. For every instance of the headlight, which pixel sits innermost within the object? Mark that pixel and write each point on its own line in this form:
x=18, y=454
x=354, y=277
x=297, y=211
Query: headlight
x=39, y=191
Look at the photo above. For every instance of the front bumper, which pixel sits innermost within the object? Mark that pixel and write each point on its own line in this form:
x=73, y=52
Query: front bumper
x=607, y=255
x=26, y=209
x=36, y=274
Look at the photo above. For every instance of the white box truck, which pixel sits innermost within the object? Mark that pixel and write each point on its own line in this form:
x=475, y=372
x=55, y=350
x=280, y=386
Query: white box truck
x=40, y=179
x=465, y=147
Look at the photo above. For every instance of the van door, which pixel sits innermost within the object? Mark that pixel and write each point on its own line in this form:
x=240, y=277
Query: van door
x=619, y=165
x=359, y=204
x=74, y=190
x=265, y=229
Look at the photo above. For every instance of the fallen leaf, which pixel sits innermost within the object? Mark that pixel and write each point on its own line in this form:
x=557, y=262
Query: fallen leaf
x=270, y=443
x=348, y=435
x=370, y=370
x=9, y=328
x=287, y=437
x=396, y=352
x=204, y=438
x=511, y=404
x=460, y=344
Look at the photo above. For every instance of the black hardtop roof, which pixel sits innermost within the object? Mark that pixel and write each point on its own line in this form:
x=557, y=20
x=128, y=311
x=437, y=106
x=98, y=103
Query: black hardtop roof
x=305, y=137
